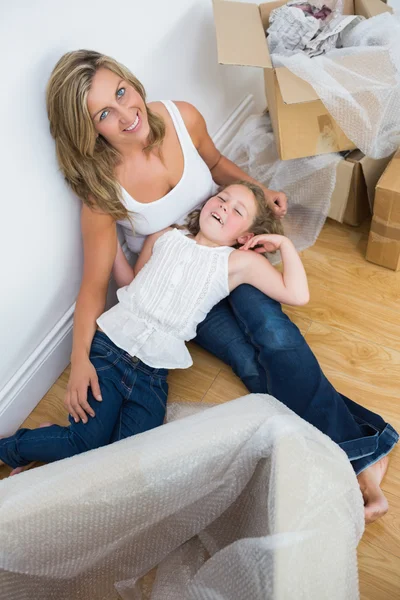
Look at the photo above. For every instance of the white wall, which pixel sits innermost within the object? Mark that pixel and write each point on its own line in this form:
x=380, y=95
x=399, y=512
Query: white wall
x=171, y=47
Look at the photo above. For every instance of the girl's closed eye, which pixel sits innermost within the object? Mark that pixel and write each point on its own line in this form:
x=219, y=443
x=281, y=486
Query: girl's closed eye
x=238, y=212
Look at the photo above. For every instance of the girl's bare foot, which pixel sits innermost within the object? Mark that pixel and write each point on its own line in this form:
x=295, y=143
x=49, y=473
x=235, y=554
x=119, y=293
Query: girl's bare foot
x=369, y=480
x=18, y=470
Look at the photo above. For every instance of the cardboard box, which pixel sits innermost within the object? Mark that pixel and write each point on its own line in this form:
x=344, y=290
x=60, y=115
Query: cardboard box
x=384, y=236
x=353, y=196
x=301, y=123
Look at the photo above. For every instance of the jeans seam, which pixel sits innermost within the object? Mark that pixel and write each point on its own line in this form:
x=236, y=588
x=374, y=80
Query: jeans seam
x=163, y=404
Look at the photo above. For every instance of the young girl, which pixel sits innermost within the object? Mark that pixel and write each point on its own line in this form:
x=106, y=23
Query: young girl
x=178, y=278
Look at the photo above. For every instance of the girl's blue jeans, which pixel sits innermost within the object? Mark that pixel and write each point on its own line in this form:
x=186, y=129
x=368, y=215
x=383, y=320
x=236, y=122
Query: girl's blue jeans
x=134, y=400
x=266, y=350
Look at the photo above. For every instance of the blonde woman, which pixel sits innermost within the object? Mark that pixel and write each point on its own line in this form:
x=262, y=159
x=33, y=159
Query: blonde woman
x=146, y=166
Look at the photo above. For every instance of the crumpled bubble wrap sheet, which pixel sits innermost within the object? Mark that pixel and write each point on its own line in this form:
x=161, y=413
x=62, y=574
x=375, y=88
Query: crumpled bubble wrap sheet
x=360, y=83
x=241, y=501
x=308, y=182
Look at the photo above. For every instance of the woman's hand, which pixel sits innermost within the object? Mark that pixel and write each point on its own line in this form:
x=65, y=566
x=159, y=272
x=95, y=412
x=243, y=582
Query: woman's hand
x=266, y=242
x=83, y=374
x=277, y=201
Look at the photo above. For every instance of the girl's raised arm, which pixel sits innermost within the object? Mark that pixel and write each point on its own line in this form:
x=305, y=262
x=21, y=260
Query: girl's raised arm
x=247, y=266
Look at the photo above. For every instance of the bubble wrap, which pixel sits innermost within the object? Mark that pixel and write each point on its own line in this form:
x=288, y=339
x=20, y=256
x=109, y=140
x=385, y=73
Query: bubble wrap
x=360, y=83
x=307, y=182
x=242, y=501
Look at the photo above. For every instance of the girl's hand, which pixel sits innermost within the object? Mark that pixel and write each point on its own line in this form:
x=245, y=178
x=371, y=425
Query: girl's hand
x=83, y=374
x=267, y=242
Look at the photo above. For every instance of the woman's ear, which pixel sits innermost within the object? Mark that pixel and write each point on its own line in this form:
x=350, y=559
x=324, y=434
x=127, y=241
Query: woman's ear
x=245, y=238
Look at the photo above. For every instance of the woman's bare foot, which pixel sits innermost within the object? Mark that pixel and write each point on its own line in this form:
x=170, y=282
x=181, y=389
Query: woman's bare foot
x=369, y=480
x=18, y=470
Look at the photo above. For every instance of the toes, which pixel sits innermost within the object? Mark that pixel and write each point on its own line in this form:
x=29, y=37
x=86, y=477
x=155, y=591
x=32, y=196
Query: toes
x=16, y=471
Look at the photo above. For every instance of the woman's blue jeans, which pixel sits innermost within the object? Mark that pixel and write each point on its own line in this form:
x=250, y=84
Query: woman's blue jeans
x=249, y=332
x=134, y=400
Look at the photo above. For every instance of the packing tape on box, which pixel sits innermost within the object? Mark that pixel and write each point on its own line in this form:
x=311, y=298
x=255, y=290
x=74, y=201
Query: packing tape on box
x=391, y=232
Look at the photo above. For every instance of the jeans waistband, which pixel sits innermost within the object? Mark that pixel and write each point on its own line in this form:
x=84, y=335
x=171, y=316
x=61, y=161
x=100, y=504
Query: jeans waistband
x=133, y=361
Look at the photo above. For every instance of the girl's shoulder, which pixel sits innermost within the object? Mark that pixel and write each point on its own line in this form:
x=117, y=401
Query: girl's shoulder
x=240, y=260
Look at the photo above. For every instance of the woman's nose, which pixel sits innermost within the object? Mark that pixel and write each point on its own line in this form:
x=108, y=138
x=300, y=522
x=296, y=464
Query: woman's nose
x=125, y=115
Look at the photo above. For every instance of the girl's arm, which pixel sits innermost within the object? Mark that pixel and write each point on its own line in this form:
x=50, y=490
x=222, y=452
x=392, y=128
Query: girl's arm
x=223, y=170
x=289, y=287
x=147, y=249
x=122, y=270
x=123, y=273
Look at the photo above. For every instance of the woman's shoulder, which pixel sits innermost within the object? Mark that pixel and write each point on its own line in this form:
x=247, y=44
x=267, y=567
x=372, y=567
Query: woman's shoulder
x=193, y=119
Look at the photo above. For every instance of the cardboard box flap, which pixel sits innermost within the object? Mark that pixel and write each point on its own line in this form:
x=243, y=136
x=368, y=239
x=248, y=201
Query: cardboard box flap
x=293, y=89
x=344, y=174
x=372, y=169
x=390, y=179
x=240, y=36
x=370, y=8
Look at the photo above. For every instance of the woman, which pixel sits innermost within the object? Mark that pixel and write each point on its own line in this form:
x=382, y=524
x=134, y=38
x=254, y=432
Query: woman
x=137, y=164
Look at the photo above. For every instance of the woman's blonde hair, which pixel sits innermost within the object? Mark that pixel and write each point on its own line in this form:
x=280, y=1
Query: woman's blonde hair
x=87, y=160
x=264, y=222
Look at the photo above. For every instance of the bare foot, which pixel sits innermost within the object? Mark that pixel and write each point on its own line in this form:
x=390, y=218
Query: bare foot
x=18, y=470
x=369, y=480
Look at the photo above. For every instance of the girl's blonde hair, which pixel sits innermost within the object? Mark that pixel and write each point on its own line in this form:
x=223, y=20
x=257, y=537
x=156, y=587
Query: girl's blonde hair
x=264, y=222
x=87, y=160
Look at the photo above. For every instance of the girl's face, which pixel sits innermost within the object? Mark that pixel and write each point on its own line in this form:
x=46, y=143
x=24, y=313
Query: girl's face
x=226, y=218
x=117, y=110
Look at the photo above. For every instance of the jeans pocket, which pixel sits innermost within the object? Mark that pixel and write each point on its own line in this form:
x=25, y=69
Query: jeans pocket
x=103, y=356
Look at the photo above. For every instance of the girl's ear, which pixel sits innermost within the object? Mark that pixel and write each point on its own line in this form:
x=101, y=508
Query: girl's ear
x=245, y=238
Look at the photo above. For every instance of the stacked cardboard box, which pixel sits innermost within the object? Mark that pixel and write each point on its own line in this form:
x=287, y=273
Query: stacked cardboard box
x=353, y=196
x=301, y=123
x=384, y=237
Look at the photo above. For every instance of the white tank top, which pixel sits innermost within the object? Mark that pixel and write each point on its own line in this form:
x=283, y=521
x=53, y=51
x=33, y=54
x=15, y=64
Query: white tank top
x=170, y=296
x=195, y=186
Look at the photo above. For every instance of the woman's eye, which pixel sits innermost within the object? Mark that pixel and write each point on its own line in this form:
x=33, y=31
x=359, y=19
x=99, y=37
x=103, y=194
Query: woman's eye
x=104, y=114
x=120, y=92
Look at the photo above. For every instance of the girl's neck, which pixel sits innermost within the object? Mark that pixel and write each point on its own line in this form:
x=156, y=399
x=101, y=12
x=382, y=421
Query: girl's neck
x=203, y=240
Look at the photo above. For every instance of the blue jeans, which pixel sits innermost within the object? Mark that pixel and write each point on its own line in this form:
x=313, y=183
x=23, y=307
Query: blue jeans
x=249, y=332
x=134, y=400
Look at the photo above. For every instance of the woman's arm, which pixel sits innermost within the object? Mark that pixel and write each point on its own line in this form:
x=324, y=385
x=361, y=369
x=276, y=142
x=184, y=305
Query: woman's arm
x=289, y=287
x=99, y=243
x=223, y=170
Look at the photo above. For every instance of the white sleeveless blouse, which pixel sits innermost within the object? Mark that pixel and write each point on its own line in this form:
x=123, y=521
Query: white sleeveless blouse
x=195, y=186
x=170, y=296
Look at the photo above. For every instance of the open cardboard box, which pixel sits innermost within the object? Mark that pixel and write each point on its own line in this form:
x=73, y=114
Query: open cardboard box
x=356, y=179
x=301, y=123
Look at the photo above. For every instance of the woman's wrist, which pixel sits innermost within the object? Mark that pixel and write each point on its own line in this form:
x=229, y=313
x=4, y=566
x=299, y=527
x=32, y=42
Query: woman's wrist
x=78, y=355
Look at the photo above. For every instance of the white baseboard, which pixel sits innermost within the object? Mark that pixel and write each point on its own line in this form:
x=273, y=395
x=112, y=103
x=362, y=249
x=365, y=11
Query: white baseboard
x=34, y=378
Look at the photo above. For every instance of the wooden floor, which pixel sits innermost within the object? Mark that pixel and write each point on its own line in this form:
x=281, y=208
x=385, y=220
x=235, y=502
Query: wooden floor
x=352, y=324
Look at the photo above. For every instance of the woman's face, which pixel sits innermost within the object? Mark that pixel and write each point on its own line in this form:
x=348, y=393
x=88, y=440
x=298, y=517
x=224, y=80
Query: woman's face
x=228, y=216
x=117, y=110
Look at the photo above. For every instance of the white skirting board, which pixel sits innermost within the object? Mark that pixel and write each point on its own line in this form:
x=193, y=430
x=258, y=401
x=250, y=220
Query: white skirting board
x=35, y=377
